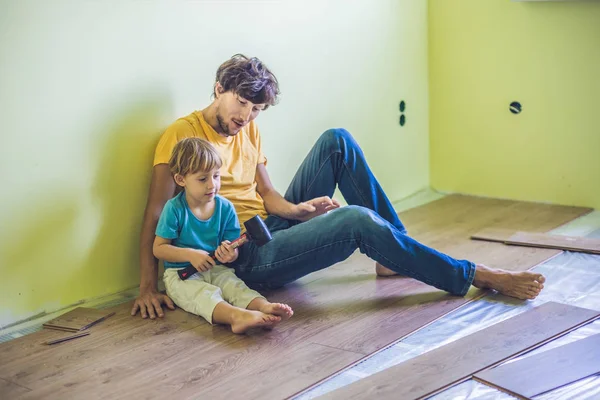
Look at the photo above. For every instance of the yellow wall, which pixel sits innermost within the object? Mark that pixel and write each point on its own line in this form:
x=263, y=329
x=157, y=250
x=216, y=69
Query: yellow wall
x=485, y=54
x=86, y=87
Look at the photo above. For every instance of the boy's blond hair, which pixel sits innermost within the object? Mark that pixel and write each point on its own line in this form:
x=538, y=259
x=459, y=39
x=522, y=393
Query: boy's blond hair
x=193, y=155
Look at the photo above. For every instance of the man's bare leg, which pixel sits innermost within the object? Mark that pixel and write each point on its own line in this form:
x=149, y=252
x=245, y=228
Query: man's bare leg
x=522, y=285
x=380, y=270
x=241, y=320
x=282, y=310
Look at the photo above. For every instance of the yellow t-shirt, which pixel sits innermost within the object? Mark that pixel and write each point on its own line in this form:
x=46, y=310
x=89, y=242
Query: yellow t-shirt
x=241, y=154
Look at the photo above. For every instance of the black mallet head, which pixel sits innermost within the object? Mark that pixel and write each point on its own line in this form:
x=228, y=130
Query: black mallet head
x=257, y=231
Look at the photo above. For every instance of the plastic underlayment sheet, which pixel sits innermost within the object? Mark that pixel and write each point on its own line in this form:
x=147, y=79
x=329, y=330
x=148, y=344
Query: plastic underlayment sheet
x=571, y=278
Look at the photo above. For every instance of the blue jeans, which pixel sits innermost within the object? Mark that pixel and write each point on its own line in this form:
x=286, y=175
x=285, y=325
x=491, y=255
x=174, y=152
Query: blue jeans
x=368, y=223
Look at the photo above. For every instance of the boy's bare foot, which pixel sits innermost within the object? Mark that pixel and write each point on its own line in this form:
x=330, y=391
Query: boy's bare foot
x=380, y=270
x=522, y=285
x=282, y=310
x=246, y=319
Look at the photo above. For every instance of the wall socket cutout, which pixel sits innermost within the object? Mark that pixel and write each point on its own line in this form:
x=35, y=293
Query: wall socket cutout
x=402, y=107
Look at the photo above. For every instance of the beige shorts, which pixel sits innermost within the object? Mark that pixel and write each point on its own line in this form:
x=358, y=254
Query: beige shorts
x=201, y=293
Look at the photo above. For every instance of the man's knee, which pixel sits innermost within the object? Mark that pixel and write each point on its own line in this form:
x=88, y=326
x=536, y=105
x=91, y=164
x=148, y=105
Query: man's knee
x=361, y=214
x=337, y=139
x=360, y=219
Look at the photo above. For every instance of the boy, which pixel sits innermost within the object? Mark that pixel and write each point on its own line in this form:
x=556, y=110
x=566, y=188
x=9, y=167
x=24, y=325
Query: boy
x=192, y=225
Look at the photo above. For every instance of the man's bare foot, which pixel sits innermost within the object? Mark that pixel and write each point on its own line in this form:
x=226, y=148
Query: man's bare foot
x=246, y=319
x=522, y=285
x=380, y=270
x=282, y=310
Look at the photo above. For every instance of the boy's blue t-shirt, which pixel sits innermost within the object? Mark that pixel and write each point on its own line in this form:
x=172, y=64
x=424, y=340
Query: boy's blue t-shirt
x=178, y=223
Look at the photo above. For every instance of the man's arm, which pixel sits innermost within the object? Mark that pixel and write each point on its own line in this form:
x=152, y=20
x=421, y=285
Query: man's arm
x=275, y=204
x=162, y=188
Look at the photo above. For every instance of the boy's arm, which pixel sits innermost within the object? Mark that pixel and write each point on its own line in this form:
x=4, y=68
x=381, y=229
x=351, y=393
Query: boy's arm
x=275, y=204
x=149, y=302
x=164, y=250
x=231, y=231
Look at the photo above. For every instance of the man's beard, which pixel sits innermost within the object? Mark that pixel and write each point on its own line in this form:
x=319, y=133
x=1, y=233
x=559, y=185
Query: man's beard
x=223, y=125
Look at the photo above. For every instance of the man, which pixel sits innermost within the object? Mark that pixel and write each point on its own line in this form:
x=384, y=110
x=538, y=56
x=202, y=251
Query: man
x=310, y=230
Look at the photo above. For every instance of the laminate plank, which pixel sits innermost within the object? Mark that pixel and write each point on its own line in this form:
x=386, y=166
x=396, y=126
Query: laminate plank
x=570, y=243
x=176, y=360
x=389, y=318
x=29, y=362
x=279, y=375
x=271, y=370
x=493, y=235
x=9, y=390
x=78, y=319
x=542, y=240
x=546, y=371
x=344, y=308
x=434, y=371
x=67, y=338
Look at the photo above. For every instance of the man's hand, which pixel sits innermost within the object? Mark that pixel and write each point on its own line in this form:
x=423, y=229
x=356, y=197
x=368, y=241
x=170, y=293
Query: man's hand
x=150, y=303
x=313, y=208
x=201, y=260
x=275, y=204
x=225, y=253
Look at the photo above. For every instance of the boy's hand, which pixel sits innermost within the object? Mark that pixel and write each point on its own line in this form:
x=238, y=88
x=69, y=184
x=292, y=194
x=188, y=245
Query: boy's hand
x=225, y=253
x=201, y=260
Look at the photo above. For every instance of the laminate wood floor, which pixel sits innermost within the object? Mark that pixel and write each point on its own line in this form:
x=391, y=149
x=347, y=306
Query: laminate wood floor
x=546, y=371
x=436, y=370
x=342, y=314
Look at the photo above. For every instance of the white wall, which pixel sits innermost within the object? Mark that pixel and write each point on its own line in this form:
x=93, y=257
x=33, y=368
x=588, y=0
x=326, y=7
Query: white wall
x=86, y=88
